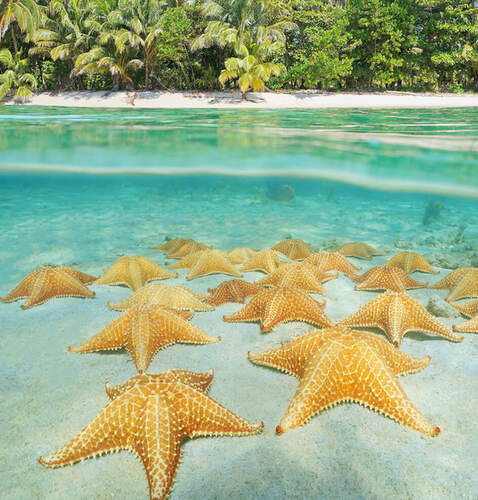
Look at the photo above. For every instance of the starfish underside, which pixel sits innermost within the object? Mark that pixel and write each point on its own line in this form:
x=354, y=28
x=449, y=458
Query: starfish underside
x=133, y=272
x=411, y=262
x=386, y=278
x=302, y=276
x=332, y=261
x=143, y=330
x=396, y=313
x=150, y=415
x=280, y=305
x=293, y=249
x=265, y=261
x=338, y=365
x=232, y=291
x=50, y=282
x=358, y=250
x=171, y=297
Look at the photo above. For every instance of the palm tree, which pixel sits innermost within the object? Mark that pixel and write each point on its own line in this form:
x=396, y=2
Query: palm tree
x=26, y=13
x=15, y=77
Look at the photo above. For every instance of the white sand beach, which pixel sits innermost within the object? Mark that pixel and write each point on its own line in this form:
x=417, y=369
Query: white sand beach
x=272, y=100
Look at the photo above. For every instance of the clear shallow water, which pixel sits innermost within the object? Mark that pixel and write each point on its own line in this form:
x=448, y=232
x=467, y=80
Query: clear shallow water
x=51, y=212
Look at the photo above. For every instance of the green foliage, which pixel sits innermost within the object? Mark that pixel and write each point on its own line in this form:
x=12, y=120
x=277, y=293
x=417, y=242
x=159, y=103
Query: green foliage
x=312, y=44
x=15, y=76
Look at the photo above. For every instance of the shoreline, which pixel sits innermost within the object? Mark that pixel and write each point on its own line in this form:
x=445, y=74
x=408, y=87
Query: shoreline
x=263, y=100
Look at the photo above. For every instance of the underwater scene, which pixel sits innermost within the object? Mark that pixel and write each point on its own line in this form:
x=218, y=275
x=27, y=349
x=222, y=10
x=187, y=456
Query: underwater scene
x=297, y=288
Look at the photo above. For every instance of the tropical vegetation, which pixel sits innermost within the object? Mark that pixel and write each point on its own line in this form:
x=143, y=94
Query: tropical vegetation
x=57, y=45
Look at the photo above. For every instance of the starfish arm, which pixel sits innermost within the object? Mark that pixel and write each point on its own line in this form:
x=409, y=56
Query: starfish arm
x=252, y=311
x=332, y=376
x=470, y=326
x=111, y=337
x=55, y=284
x=113, y=276
x=203, y=416
x=468, y=309
x=368, y=315
x=81, y=277
x=205, y=266
x=23, y=289
x=152, y=271
x=105, y=434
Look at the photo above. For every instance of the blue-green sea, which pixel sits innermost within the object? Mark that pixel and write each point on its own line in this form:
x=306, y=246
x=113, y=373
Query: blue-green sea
x=83, y=187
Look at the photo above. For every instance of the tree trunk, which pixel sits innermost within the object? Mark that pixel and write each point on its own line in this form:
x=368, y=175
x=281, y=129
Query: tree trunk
x=14, y=39
x=146, y=74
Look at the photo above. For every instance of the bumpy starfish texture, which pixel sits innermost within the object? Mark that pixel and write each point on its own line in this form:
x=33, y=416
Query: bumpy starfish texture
x=265, y=261
x=451, y=279
x=143, y=330
x=293, y=249
x=211, y=262
x=468, y=308
x=171, y=297
x=240, y=255
x=186, y=249
x=466, y=287
x=470, y=326
x=150, y=415
x=332, y=261
x=302, y=276
x=232, y=291
x=338, y=365
x=411, y=262
x=357, y=249
x=280, y=305
x=386, y=278
x=396, y=313
x=50, y=282
x=133, y=272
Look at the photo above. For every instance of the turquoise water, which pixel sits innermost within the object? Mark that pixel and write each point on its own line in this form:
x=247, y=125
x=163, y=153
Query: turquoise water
x=83, y=187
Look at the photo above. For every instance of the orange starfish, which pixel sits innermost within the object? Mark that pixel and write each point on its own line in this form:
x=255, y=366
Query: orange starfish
x=357, y=249
x=303, y=276
x=332, y=261
x=265, y=261
x=50, y=282
x=211, y=262
x=386, y=278
x=280, y=305
x=293, y=249
x=133, y=272
x=396, y=313
x=338, y=365
x=172, y=245
x=466, y=287
x=451, y=279
x=232, y=291
x=171, y=297
x=469, y=308
x=143, y=330
x=240, y=255
x=411, y=262
x=150, y=415
x=470, y=326
x=187, y=248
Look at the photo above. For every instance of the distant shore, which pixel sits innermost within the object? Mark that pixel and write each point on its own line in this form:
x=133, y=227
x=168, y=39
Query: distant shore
x=270, y=100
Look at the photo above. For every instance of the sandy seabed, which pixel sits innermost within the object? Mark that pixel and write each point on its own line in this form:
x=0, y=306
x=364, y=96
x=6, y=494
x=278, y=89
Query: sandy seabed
x=272, y=100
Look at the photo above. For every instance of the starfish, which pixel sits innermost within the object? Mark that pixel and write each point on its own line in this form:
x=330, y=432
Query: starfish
x=396, y=313
x=386, y=278
x=451, y=279
x=469, y=308
x=466, y=287
x=276, y=305
x=411, y=262
x=265, y=261
x=470, y=326
x=293, y=249
x=232, y=291
x=357, y=249
x=50, y=282
x=133, y=272
x=167, y=296
x=143, y=330
x=302, y=276
x=150, y=415
x=338, y=365
x=187, y=249
x=211, y=262
x=332, y=261
x=172, y=245
x=240, y=255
